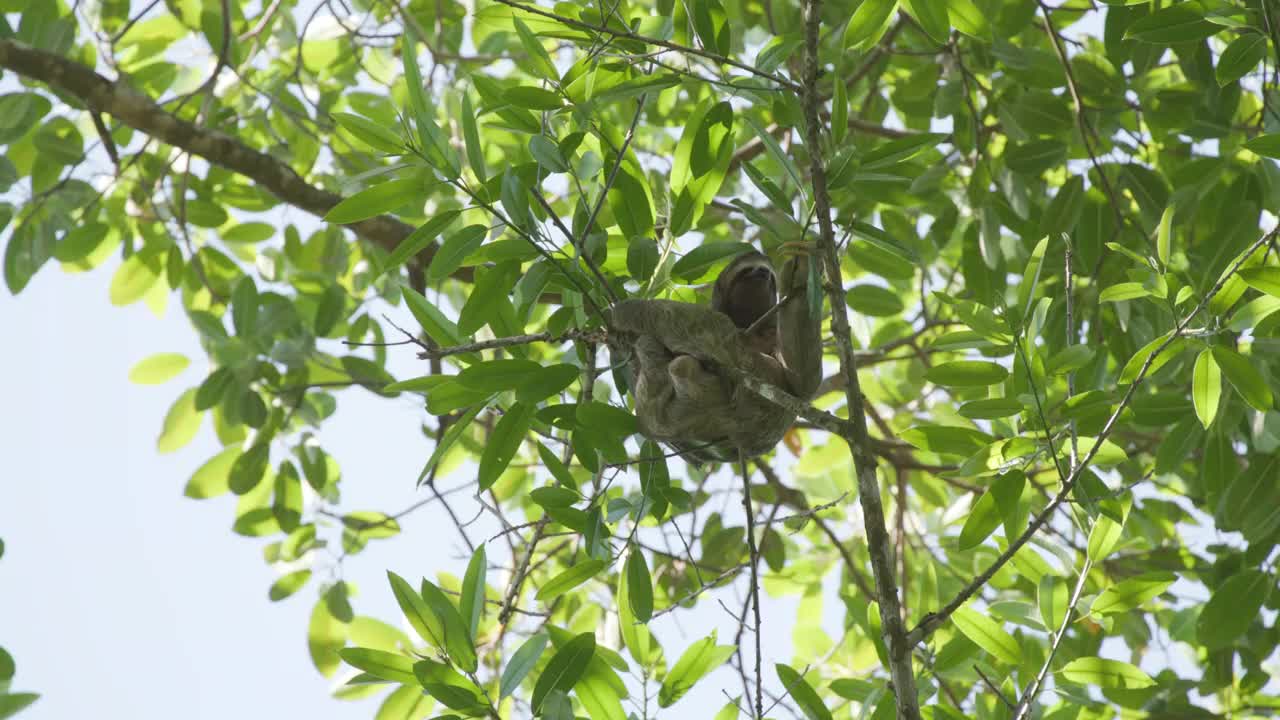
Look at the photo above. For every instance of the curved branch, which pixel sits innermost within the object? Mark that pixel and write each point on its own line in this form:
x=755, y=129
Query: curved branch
x=140, y=112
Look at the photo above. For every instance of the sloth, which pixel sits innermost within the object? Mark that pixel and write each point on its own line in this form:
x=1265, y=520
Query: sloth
x=683, y=394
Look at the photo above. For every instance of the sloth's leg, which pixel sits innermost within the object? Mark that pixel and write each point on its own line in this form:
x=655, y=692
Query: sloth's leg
x=695, y=383
x=654, y=393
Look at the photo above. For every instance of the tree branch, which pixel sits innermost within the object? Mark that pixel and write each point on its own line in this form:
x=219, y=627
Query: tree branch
x=864, y=458
x=140, y=112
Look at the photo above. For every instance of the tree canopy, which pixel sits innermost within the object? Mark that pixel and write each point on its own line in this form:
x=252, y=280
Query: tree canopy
x=1039, y=479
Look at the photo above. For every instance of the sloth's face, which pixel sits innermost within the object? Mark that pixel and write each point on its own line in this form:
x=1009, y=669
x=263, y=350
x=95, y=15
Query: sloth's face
x=746, y=289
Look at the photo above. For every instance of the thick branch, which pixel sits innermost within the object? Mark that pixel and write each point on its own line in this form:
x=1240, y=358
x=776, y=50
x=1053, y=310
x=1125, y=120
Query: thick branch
x=140, y=112
x=864, y=458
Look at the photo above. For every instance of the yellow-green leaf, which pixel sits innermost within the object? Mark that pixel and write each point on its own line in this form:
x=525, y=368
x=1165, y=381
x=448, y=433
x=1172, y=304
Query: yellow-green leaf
x=987, y=634
x=158, y=368
x=1206, y=387
x=180, y=423
x=381, y=198
x=1105, y=674
x=1244, y=378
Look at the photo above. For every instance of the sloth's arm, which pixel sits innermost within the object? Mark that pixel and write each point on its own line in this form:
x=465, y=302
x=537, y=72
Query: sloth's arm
x=799, y=334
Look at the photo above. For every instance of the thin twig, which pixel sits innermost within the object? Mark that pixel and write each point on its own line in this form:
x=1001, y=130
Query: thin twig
x=755, y=578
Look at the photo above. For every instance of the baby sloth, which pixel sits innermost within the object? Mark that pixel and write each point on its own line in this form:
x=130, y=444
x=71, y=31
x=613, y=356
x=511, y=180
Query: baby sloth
x=684, y=396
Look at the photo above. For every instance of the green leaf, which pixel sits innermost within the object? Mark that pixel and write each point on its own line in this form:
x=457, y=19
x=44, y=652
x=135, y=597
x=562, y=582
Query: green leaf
x=1036, y=156
x=1233, y=608
x=449, y=687
x=966, y=373
x=1052, y=600
x=457, y=635
x=635, y=636
x=504, y=442
x=698, y=659
x=1103, y=537
x=803, y=693
x=434, y=145
x=131, y=281
x=547, y=154
x=868, y=23
x=1244, y=378
x=1065, y=209
x=607, y=418
x=699, y=261
x=874, y=300
x=1206, y=387
x=438, y=327
x=946, y=439
x=1175, y=24
x=1031, y=279
x=288, y=585
x=80, y=241
x=570, y=579
x=546, y=382
x=158, y=368
x=542, y=64
x=711, y=24
x=521, y=663
x=1164, y=236
x=381, y=198
x=1132, y=593
x=498, y=375
x=991, y=408
x=1240, y=58
x=642, y=258
x=1131, y=369
x=451, y=436
x=549, y=497
x=1069, y=359
x=391, y=667
x=325, y=637
x=932, y=16
x=211, y=479
x=1105, y=674
x=840, y=108
x=639, y=586
x=1265, y=145
x=421, y=617
x=13, y=703
x=1254, y=312
x=419, y=239
x=471, y=604
x=1123, y=291
x=984, y=517
x=565, y=668
x=970, y=19
x=899, y=150
x=244, y=307
x=453, y=251
x=775, y=151
x=180, y=424
x=371, y=133
x=471, y=139
x=1264, y=279
x=630, y=200
x=248, y=469
x=532, y=98
x=987, y=634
